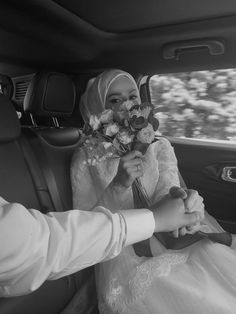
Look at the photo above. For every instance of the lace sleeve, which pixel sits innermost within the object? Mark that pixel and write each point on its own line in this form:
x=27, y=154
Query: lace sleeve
x=116, y=198
x=93, y=185
x=167, y=166
x=85, y=194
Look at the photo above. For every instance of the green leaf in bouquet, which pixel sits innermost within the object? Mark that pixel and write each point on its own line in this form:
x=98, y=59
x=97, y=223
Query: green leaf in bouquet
x=154, y=122
x=87, y=129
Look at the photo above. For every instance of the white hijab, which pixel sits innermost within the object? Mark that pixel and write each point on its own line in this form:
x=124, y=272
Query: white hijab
x=94, y=98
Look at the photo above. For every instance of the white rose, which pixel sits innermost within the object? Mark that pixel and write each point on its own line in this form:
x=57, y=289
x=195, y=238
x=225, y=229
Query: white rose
x=106, y=145
x=111, y=129
x=94, y=122
x=106, y=116
x=124, y=137
x=146, y=135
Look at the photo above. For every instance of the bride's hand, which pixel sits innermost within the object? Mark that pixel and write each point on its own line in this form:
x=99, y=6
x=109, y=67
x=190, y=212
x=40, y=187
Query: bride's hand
x=193, y=202
x=130, y=168
x=169, y=214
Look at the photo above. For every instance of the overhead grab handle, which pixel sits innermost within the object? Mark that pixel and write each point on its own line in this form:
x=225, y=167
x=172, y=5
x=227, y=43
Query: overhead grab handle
x=173, y=50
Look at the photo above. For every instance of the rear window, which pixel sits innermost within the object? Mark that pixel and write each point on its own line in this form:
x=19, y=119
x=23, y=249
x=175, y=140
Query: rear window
x=199, y=104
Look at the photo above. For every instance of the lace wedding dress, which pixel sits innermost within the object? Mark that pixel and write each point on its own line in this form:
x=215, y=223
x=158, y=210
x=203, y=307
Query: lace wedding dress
x=198, y=279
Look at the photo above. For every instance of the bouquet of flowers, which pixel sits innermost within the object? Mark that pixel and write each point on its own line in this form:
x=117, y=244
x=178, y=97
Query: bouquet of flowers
x=113, y=133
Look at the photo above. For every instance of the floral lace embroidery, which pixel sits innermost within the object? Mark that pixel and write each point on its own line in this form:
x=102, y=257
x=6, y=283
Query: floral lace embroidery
x=116, y=297
x=154, y=267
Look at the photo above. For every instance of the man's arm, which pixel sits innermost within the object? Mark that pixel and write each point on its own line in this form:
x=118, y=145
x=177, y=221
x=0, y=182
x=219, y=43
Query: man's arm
x=35, y=247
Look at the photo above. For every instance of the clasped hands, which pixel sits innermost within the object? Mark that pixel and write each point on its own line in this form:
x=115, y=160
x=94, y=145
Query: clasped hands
x=180, y=211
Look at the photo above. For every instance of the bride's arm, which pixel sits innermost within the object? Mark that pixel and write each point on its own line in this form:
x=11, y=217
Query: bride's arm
x=89, y=191
x=167, y=167
x=169, y=176
x=86, y=189
x=118, y=194
x=116, y=197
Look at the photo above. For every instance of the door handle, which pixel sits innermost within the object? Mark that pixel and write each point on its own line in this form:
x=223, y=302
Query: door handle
x=229, y=174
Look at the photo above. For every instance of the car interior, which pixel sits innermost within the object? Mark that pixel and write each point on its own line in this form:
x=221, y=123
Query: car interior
x=49, y=50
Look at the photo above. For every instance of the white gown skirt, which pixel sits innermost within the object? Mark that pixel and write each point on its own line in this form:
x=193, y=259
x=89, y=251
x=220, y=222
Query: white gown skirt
x=197, y=279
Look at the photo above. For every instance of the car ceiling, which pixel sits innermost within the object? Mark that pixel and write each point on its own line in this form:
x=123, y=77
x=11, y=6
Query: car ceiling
x=122, y=16
x=87, y=35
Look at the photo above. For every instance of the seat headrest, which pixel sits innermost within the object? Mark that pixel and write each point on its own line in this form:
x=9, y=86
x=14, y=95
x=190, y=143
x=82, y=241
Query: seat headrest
x=60, y=137
x=50, y=94
x=9, y=123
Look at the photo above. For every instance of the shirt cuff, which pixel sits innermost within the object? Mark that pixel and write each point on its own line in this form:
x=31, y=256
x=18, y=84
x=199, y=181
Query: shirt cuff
x=140, y=225
x=233, y=245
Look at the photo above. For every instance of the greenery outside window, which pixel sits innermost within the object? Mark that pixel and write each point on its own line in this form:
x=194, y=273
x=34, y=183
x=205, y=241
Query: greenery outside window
x=199, y=104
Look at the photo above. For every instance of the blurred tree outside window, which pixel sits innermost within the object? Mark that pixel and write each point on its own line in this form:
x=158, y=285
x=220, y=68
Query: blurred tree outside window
x=200, y=104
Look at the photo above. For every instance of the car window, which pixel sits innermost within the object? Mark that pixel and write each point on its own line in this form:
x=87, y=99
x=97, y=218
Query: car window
x=199, y=104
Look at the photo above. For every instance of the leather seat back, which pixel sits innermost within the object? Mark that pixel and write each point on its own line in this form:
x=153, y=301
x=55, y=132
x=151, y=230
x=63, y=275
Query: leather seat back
x=16, y=185
x=58, y=144
x=52, y=95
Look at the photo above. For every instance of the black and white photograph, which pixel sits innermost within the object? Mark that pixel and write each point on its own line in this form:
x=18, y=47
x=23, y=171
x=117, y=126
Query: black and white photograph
x=117, y=157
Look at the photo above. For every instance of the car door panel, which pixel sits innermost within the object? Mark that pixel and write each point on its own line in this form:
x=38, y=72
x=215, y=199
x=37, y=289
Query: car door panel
x=201, y=164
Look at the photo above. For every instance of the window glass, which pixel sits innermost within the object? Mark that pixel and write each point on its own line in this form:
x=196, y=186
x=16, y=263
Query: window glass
x=200, y=104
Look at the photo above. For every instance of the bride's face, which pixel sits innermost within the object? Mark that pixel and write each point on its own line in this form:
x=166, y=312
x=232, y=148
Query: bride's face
x=121, y=90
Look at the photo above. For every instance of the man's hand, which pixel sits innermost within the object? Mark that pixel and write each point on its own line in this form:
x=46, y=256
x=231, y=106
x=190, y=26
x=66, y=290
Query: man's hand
x=193, y=202
x=169, y=214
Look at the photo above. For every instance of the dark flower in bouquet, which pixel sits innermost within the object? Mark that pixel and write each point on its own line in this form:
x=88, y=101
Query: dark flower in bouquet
x=113, y=133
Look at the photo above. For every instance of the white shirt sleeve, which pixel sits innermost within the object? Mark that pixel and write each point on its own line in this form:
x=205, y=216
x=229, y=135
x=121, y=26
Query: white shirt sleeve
x=35, y=247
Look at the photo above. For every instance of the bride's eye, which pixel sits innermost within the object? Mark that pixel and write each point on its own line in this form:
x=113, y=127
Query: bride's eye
x=133, y=97
x=115, y=101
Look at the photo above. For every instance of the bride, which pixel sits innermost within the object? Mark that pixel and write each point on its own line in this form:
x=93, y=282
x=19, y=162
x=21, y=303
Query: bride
x=200, y=278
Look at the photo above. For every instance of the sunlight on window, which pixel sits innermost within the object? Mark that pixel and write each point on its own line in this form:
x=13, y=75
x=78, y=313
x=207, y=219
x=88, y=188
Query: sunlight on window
x=200, y=104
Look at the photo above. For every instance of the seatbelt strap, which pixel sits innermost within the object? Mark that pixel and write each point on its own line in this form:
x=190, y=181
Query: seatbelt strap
x=50, y=179
x=36, y=175
x=46, y=169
